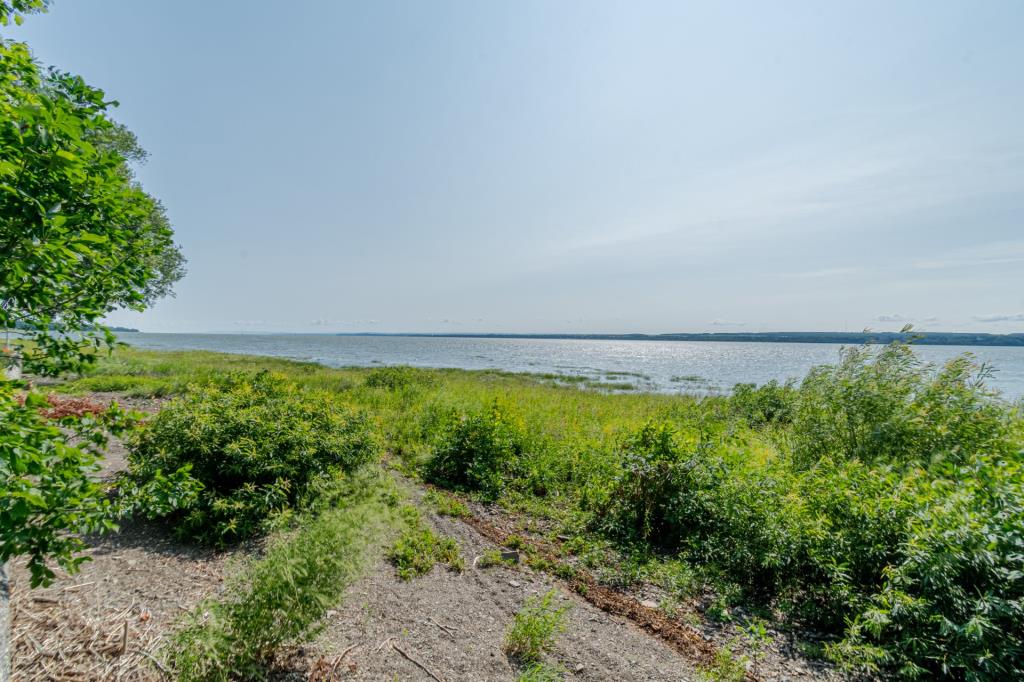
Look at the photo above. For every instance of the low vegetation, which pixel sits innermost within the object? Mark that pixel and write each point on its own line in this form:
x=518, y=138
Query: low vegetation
x=255, y=445
x=280, y=598
x=534, y=628
x=878, y=501
x=444, y=504
x=418, y=548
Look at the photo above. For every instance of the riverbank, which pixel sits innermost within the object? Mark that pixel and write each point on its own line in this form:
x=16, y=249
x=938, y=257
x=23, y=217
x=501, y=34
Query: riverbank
x=772, y=523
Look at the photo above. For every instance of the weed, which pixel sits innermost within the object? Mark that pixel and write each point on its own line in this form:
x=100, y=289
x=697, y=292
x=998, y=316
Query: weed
x=444, y=504
x=418, y=548
x=493, y=557
x=280, y=598
x=541, y=672
x=727, y=667
x=534, y=628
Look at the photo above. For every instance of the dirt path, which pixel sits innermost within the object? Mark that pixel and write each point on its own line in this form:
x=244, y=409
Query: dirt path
x=454, y=624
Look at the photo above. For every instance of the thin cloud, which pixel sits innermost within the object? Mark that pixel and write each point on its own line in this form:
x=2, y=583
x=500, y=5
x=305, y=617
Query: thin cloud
x=826, y=272
x=726, y=323
x=1008, y=317
x=982, y=255
x=323, y=322
x=894, y=317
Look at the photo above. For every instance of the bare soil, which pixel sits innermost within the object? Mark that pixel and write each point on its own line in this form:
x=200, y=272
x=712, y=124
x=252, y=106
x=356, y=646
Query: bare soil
x=454, y=625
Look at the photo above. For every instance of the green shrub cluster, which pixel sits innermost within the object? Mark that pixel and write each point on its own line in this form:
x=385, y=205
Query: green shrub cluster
x=889, y=407
x=477, y=451
x=398, y=377
x=770, y=403
x=895, y=521
x=257, y=444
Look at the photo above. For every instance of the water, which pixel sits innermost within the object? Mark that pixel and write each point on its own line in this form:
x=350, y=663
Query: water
x=668, y=366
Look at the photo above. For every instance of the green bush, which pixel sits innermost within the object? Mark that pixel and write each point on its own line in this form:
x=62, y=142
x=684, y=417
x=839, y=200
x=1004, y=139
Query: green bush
x=771, y=403
x=888, y=406
x=256, y=443
x=663, y=494
x=477, y=451
x=398, y=377
x=952, y=606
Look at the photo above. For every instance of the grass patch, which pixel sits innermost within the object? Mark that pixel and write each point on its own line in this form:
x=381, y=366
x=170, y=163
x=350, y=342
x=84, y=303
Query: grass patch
x=493, y=557
x=444, y=504
x=281, y=598
x=534, y=628
x=541, y=672
x=727, y=667
x=418, y=548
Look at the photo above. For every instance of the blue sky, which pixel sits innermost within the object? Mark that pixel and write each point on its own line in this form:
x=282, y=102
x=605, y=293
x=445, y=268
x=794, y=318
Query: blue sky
x=571, y=166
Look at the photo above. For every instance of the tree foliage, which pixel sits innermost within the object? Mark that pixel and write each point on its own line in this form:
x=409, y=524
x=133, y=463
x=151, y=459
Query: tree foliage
x=79, y=235
x=79, y=238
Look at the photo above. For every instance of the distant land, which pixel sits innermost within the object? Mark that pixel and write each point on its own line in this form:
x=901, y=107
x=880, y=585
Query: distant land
x=849, y=338
x=57, y=327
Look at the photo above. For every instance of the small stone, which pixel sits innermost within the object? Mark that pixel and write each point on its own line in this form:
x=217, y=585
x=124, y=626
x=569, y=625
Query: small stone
x=514, y=583
x=649, y=603
x=579, y=667
x=510, y=555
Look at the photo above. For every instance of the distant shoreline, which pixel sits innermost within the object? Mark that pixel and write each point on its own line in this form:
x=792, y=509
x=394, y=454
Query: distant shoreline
x=851, y=338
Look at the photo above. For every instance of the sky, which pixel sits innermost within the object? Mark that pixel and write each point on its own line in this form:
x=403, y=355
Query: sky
x=571, y=166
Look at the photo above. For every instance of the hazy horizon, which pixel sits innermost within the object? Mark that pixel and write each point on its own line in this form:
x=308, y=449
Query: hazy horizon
x=571, y=168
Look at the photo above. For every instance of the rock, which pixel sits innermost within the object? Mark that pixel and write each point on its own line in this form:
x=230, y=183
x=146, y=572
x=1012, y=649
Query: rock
x=649, y=603
x=514, y=583
x=579, y=667
x=510, y=555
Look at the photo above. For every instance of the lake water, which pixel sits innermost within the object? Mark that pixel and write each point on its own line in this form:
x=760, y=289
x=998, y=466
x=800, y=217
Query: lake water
x=668, y=366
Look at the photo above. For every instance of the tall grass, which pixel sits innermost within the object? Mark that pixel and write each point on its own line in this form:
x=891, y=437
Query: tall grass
x=280, y=598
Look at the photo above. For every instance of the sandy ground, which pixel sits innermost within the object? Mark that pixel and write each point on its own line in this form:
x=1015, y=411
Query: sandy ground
x=107, y=621
x=454, y=624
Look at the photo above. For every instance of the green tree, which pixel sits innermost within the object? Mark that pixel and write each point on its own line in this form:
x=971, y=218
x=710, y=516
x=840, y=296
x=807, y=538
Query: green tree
x=79, y=238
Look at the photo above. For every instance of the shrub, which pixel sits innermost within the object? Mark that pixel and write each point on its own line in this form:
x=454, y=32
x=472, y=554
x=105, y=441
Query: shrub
x=534, y=628
x=888, y=406
x=255, y=443
x=398, y=377
x=771, y=403
x=953, y=604
x=476, y=451
x=663, y=493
